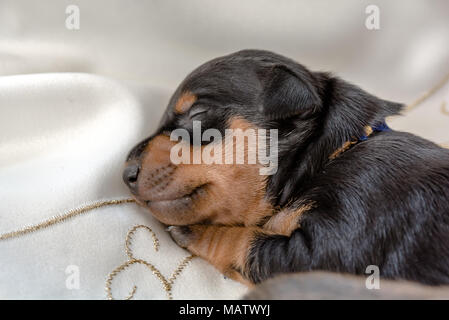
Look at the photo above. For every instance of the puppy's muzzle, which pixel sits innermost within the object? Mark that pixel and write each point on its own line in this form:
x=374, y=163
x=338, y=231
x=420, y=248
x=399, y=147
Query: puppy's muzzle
x=148, y=171
x=130, y=175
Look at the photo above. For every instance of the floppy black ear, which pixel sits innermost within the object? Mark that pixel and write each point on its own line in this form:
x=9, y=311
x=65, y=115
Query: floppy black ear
x=351, y=108
x=348, y=109
x=288, y=92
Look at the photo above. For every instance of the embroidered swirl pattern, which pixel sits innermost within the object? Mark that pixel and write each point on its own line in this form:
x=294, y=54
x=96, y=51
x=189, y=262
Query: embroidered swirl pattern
x=444, y=109
x=167, y=284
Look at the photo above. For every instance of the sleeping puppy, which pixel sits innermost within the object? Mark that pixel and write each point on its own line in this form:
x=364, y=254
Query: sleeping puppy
x=347, y=192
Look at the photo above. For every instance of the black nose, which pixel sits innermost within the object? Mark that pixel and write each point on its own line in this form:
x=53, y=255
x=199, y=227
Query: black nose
x=130, y=175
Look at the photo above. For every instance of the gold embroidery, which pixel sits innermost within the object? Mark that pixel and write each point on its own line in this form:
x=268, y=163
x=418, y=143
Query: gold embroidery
x=429, y=93
x=131, y=233
x=443, y=109
x=445, y=112
x=60, y=218
x=167, y=284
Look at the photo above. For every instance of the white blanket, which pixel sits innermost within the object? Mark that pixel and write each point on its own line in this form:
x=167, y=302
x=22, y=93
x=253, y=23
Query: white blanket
x=64, y=136
x=63, y=144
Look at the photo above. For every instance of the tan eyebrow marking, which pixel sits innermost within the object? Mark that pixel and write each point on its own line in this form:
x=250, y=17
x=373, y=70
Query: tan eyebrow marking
x=185, y=102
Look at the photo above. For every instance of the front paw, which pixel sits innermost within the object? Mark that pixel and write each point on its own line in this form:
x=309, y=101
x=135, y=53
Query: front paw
x=184, y=236
x=227, y=248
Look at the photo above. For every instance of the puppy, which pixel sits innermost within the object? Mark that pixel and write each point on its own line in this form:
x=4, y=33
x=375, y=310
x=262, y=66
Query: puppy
x=348, y=192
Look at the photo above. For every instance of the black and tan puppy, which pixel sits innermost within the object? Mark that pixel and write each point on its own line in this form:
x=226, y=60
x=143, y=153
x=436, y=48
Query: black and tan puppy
x=340, y=200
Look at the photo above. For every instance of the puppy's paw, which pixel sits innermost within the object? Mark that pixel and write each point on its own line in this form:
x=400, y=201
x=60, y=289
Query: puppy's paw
x=227, y=248
x=182, y=235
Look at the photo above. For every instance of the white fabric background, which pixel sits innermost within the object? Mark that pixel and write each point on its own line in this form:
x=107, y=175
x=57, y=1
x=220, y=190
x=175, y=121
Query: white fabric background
x=73, y=103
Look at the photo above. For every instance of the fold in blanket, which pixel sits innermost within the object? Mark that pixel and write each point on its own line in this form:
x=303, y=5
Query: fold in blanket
x=63, y=144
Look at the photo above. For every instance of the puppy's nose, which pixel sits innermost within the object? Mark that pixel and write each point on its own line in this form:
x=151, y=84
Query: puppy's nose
x=130, y=175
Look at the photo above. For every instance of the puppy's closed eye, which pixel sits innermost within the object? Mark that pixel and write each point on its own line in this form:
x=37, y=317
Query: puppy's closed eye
x=198, y=110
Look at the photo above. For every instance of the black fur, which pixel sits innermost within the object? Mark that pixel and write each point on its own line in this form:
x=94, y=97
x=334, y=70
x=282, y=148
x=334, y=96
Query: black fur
x=383, y=202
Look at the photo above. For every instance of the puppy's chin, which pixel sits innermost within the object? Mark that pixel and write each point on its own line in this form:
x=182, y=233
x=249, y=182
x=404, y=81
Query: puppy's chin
x=176, y=210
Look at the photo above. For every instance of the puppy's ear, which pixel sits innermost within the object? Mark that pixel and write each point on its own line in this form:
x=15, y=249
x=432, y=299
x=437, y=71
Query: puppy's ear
x=351, y=108
x=287, y=92
x=348, y=110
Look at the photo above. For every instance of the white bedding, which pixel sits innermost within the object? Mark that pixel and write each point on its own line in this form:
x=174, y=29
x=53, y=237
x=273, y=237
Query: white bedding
x=64, y=136
x=65, y=140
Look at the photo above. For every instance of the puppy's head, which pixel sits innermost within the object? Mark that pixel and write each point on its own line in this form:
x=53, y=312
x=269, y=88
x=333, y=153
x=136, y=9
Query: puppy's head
x=247, y=90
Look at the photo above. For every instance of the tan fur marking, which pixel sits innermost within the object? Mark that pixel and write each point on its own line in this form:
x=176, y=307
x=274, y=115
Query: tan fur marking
x=348, y=144
x=339, y=151
x=368, y=131
x=233, y=194
x=243, y=186
x=226, y=248
x=286, y=221
x=185, y=102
